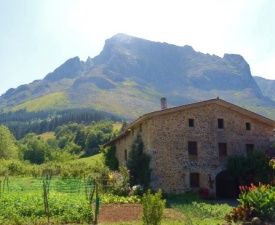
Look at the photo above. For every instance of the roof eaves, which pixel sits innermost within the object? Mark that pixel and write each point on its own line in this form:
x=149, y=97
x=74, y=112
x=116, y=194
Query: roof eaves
x=124, y=134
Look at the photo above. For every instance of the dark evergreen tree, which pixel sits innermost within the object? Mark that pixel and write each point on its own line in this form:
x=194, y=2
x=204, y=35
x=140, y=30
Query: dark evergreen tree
x=109, y=155
x=139, y=164
x=22, y=122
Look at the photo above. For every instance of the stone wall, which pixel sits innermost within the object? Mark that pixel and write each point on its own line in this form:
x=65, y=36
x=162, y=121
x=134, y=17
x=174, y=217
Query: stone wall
x=166, y=138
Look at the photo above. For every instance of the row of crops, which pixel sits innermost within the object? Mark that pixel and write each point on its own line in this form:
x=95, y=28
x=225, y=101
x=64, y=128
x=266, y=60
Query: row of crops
x=47, y=200
x=66, y=185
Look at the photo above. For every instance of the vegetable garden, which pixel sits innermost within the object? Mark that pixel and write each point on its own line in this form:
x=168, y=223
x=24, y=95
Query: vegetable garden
x=58, y=200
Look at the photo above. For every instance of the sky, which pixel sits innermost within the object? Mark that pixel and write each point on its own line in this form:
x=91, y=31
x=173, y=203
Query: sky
x=36, y=37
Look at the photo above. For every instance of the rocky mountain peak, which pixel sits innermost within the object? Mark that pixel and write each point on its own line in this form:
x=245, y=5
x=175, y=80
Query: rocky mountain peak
x=130, y=74
x=70, y=69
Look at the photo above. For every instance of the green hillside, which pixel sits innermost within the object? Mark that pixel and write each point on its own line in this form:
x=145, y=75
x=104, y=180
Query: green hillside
x=56, y=100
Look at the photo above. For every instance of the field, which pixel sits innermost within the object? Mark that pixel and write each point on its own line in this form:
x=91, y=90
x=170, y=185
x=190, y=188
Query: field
x=28, y=200
x=60, y=200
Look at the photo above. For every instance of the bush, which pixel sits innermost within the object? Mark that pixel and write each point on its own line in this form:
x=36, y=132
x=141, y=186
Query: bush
x=152, y=208
x=255, y=201
x=120, y=181
x=12, y=168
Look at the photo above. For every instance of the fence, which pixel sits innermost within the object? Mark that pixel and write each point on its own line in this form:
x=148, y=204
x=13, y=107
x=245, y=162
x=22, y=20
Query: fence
x=88, y=188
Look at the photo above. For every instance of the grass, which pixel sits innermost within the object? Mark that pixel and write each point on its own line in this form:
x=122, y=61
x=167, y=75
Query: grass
x=26, y=191
x=117, y=126
x=54, y=100
x=92, y=160
x=47, y=135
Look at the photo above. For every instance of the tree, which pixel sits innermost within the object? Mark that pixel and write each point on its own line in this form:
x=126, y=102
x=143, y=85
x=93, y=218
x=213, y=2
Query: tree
x=8, y=148
x=98, y=134
x=36, y=151
x=109, y=157
x=139, y=164
x=80, y=138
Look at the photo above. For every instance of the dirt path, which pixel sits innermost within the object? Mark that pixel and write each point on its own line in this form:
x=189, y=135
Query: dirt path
x=130, y=212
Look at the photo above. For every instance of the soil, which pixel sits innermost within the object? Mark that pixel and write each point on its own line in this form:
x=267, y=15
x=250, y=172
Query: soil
x=130, y=212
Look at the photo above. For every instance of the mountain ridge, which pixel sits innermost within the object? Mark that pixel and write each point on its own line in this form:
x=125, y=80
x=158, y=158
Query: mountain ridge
x=131, y=74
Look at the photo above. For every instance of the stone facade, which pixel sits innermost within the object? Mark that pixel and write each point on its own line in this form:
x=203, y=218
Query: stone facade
x=189, y=145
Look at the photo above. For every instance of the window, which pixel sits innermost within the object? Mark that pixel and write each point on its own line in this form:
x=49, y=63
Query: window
x=191, y=122
x=247, y=126
x=249, y=148
x=220, y=124
x=192, y=148
x=125, y=155
x=194, y=180
x=222, y=149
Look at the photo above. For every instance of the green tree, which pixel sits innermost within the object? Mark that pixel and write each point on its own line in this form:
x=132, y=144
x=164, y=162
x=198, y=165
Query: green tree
x=109, y=157
x=8, y=148
x=37, y=151
x=80, y=138
x=139, y=164
x=98, y=134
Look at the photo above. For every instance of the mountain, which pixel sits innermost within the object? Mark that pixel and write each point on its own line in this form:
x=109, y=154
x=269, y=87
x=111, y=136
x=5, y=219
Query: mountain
x=131, y=74
x=267, y=87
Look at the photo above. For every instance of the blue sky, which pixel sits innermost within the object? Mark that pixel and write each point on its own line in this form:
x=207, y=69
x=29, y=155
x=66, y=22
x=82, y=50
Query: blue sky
x=38, y=36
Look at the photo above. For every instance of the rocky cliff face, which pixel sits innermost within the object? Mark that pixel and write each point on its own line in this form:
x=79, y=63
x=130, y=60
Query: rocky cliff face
x=168, y=66
x=130, y=75
x=267, y=86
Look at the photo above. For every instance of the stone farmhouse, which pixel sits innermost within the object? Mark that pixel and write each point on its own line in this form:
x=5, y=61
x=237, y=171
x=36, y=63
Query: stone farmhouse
x=189, y=144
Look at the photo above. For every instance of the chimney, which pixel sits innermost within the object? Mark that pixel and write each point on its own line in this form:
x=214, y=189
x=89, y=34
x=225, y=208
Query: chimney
x=163, y=103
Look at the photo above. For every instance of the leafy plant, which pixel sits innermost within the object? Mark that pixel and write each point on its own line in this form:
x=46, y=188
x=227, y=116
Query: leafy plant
x=255, y=201
x=152, y=208
x=110, y=198
x=240, y=214
x=120, y=181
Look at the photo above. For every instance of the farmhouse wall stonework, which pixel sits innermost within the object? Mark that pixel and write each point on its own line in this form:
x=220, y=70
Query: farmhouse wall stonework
x=166, y=138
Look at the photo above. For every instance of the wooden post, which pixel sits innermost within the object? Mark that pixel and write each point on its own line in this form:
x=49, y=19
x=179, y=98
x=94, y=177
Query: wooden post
x=96, y=202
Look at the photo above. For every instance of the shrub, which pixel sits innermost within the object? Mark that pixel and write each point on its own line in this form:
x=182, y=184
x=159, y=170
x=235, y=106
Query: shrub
x=120, y=181
x=255, y=201
x=240, y=213
x=152, y=208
